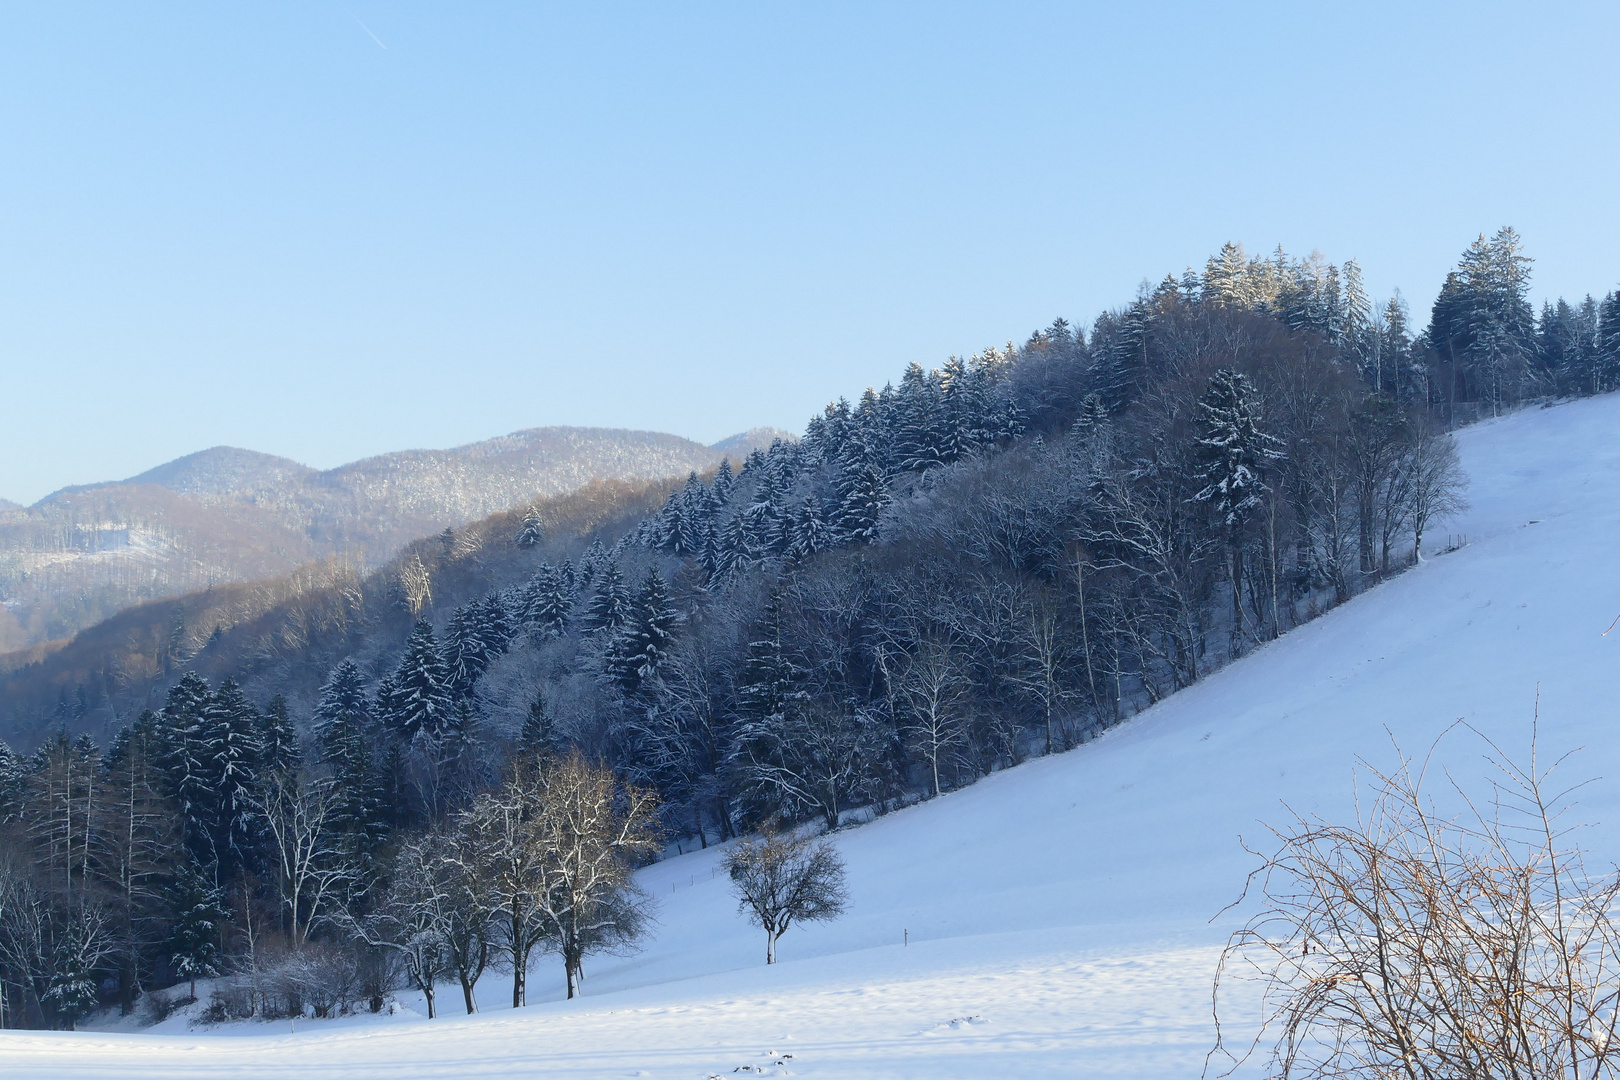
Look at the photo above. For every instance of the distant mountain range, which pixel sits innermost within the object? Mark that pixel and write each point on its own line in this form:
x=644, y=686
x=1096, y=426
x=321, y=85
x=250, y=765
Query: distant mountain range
x=227, y=515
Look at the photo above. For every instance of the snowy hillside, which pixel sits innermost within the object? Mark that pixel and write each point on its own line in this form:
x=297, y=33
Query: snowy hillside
x=1058, y=914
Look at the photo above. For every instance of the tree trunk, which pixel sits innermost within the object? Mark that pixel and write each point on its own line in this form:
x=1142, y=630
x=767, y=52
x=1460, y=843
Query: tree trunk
x=427, y=992
x=467, y=995
x=770, y=946
x=571, y=964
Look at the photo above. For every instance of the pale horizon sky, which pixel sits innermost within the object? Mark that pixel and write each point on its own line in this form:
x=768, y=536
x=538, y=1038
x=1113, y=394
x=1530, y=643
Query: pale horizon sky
x=327, y=230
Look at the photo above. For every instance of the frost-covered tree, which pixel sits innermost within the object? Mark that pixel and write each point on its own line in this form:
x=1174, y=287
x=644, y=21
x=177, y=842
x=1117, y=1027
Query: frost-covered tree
x=1237, y=456
x=610, y=607
x=532, y=532
x=199, y=915
x=547, y=602
x=343, y=733
x=641, y=645
x=420, y=704
x=230, y=741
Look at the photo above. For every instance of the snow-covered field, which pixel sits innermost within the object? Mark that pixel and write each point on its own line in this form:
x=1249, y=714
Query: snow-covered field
x=1058, y=914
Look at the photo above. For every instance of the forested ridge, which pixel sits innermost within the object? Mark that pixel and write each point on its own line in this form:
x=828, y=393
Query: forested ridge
x=991, y=560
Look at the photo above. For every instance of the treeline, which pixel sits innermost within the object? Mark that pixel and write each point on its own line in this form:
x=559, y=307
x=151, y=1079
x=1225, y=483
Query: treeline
x=998, y=558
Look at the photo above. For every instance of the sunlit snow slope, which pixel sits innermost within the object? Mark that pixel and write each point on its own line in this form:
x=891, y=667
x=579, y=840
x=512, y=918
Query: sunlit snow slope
x=1059, y=913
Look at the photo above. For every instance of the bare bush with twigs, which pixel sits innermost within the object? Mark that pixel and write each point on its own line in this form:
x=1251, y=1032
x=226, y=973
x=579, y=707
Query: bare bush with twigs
x=1425, y=946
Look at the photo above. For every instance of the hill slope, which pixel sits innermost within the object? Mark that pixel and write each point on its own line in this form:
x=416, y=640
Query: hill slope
x=1059, y=913
x=228, y=515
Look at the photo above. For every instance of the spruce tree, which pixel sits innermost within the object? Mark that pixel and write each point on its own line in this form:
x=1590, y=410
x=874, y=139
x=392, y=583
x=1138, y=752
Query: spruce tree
x=343, y=726
x=188, y=763
x=1607, y=376
x=862, y=496
x=420, y=702
x=13, y=775
x=610, y=607
x=475, y=637
x=531, y=533
x=279, y=748
x=547, y=602
x=198, y=915
x=810, y=533
x=538, y=727
x=1237, y=456
x=231, y=752
x=640, y=648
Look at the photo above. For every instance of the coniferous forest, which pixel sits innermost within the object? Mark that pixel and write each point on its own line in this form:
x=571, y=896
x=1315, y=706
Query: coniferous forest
x=455, y=764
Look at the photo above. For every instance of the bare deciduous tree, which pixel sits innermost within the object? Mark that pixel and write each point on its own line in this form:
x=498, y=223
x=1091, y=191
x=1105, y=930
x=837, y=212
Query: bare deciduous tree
x=561, y=840
x=781, y=879
x=310, y=870
x=1414, y=944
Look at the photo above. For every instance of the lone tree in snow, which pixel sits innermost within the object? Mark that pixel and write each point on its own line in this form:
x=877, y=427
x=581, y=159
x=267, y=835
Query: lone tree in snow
x=781, y=879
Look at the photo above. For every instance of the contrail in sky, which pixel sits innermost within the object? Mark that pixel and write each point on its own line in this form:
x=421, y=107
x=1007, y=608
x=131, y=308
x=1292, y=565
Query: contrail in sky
x=367, y=29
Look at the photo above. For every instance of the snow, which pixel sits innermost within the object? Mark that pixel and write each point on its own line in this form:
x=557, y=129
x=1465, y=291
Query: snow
x=1061, y=918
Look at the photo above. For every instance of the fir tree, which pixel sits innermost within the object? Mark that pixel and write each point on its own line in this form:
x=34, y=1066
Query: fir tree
x=723, y=484
x=188, y=764
x=13, y=775
x=531, y=533
x=810, y=533
x=610, y=607
x=231, y=753
x=279, y=748
x=547, y=602
x=342, y=727
x=419, y=705
x=641, y=647
x=478, y=633
x=1237, y=455
x=538, y=726
x=862, y=496
x=199, y=915
x=1607, y=373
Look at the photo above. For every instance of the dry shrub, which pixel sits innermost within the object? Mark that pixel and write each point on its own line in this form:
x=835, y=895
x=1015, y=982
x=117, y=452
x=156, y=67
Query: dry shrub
x=1415, y=944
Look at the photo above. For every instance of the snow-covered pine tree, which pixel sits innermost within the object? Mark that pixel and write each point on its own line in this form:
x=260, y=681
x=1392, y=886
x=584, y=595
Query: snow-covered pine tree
x=641, y=646
x=1237, y=456
x=343, y=729
x=724, y=483
x=769, y=688
x=232, y=752
x=591, y=564
x=187, y=764
x=862, y=495
x=279, y=748
x=420, y=704
x=1120, y=355
x=547, y=602
x=921, y=435
x=198, y=914
x=610, y=606
x=476, y=635
x=1225, y=279
x=810, y=532
x=13, y=775
x=669, y=527
x=733, y=549
x=538, y=728
x=1607, y=375
x=532, y=533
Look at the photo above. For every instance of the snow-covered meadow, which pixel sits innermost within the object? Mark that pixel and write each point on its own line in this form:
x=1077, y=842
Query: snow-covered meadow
x=1061, y=918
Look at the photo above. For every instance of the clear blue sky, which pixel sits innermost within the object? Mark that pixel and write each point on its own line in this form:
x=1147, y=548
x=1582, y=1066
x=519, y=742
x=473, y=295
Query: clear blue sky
x=328, y=230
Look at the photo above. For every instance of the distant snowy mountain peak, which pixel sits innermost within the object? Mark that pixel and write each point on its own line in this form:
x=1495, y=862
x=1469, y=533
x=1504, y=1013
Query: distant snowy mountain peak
x=227, y=514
